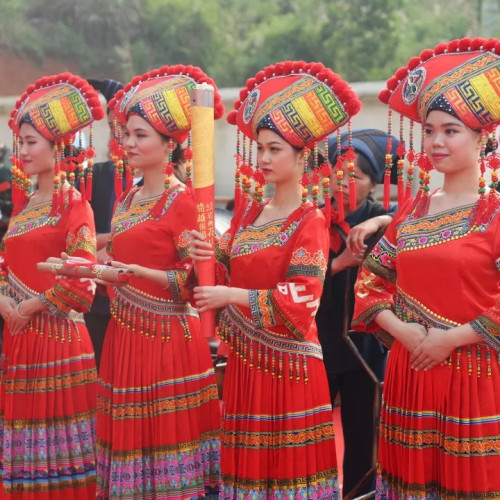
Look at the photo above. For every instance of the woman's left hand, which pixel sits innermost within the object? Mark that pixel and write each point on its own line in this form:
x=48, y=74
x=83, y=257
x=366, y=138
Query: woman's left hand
x=433, y=350
x=18, y=320
x=211, y=297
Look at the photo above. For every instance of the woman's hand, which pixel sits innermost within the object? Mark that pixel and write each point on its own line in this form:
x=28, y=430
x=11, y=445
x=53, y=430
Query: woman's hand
x=346, y=259
x=358, y=234
x=7, y=305
x=212, y=297
x=199, y=249
x=135, y=268
x=412, y=335
x=19, y=317
x=434, y=350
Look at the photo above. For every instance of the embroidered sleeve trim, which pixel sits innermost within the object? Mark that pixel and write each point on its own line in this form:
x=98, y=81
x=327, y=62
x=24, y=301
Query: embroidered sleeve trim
x=380, y=270
x=291, y=327
x=84, y=240
x=488, y=330
x=367, y=316
x=261, y=308
x=310, y=271
x=176, y=281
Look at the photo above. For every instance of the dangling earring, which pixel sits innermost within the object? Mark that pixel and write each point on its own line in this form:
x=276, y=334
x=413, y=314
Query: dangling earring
x=169, y=166
x=305, y=176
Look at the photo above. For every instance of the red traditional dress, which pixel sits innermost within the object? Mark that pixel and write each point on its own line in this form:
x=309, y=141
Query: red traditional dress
x=48, y=379
x=278, y=439
x=158, y=410
x=440, y=429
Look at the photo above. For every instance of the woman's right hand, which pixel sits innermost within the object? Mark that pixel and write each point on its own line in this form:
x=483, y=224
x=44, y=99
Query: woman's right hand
x=412, y=335
x=7, y=305
x=199, y=249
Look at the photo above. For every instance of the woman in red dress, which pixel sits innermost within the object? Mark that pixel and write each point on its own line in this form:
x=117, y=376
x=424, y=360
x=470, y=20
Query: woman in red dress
x=158, y=409
x=48, y=382
x=278, y=439
x=432, y=285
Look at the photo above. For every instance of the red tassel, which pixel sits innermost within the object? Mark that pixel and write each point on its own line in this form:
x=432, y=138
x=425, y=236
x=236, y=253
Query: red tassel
x=88, y=188
x=118, y=181
x=328, y=210
x=82, y=188
x=237, y=197
x=158, y=207
x=387, y=189
x=401, y=191
x=61, y=191
x=340, y=203
x=352, y=194
x=129, y=181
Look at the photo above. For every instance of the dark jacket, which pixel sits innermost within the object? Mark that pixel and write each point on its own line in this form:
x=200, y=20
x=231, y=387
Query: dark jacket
x=337, y=355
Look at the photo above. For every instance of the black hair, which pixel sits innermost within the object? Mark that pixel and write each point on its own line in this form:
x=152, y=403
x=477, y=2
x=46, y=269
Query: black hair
x=366, y=167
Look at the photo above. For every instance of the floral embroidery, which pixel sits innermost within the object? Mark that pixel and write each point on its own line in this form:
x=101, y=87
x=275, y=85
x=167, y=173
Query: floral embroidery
x=435, y=229
x=84, y=239
x=252, y=239
x=31, y=219
x=382, y=260
x=126, y=218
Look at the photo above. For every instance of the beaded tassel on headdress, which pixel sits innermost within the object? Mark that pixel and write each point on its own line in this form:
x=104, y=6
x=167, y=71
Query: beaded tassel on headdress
x=315, y=177
x=401, y=162
x=326, y=173
x=20, y=181
x=350, y=155
x=237, y=174
x=411, y=164
x=388, y=163
x=188, y=156
x=339, y=169
x=90, y=163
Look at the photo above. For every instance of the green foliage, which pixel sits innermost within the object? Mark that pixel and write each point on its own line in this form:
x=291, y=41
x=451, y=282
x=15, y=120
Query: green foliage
x=232, y=39
x=16, y=35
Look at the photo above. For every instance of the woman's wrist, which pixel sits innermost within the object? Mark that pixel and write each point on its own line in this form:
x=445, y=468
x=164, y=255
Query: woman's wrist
x=337, y=265
x=22, y=314
x=29, y=307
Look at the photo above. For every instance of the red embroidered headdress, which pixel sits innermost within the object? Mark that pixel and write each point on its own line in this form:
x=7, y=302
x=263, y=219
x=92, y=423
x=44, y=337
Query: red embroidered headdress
x=161, y=97
x=303, y=103
x=57, y=107
x=461, y=78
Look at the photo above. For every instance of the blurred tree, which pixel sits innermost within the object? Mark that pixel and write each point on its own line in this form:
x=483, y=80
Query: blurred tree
x=16, y=35
x=94, y=34
x=232, y=39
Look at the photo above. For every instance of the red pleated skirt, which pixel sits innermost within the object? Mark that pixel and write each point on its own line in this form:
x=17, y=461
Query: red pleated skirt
x=158, y=413
x=47, y=404
x=440, y=429
x=277, y=436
